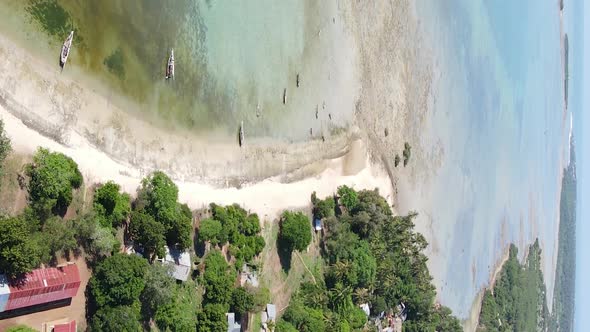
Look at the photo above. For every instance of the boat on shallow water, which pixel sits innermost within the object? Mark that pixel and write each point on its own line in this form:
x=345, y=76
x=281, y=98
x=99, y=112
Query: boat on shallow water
x=241, y=134
x=65, y=50
x=170, y=66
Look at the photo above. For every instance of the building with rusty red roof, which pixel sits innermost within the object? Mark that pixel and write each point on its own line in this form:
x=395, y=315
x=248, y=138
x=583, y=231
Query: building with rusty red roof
x=38, y=287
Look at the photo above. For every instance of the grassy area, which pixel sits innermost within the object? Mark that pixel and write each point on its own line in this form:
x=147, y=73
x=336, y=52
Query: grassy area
x=283, y=283
x=13, y=198
x=256, y=322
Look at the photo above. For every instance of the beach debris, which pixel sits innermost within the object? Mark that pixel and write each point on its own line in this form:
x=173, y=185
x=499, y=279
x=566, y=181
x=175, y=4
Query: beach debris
x=285, y=96
x=65, y=50
x=170, y=66
x=297, y=81
x=241, y=134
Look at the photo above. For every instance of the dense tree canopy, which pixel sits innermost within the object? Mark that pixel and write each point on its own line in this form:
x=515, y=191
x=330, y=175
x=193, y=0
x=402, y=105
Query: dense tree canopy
x=348, y=197
x=159, y=288
x=372, y=257
x=241, y=301
x=233, y=225
x=149, y=234
x=323, y=208
x=112, y=204
x=180, y=313
x=116, y=319
x=218, y=279
x=212, y=318
x=209, y=230
x=98, y=240
x=295, y=230
x=158, y=197
x=59, y=235
x=518, y=300
x=118, y=280
x=18, y=253
x=52, y=175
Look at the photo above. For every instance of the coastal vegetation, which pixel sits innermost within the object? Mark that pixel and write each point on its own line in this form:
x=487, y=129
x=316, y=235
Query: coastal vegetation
x=517, y=302
x=53, y=176
x=372, y=257
x=366, y=256
x=565, y=273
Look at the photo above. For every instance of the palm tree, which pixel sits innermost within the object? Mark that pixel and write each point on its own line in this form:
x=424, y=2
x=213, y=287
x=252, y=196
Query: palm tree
x=341, y=268
x=361, y=295
x=340, y=298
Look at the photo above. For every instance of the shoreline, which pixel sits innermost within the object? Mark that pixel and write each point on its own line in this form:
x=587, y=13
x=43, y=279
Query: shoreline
x=60, y=108
x=267, y=198
x=471, y=323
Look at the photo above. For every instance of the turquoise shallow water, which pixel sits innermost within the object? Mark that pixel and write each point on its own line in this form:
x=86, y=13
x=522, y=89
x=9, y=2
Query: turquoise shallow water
x=498, y=112
x=233, y=58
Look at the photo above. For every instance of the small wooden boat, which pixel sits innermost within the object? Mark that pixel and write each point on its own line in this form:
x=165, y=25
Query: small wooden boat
x=241, y=134
x=285, y=96
x=65, y=50
x=170, y=66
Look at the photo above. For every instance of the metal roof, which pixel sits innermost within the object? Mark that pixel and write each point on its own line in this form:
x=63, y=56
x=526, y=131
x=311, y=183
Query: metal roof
x=180, y=262
x=68, y=327
x=40, y=286
x=271, y=311
x=43, y=278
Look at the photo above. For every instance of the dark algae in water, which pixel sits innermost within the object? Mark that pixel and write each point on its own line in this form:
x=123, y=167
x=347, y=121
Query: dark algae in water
x=115, y=63
x=55, y=20
x=52, y=17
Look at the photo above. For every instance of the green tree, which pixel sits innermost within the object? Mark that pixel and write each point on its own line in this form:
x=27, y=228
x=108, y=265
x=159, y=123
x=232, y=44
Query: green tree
x=209, y=230
x=348, y=197
x=5, y=145
x=218, y=279
x=149, y=234
x=53, y=176
x=118, y=280
x=116, y=319
x=303, y=318
x=295, y=230
x=59, y=235
x=115, y=206
x=241, y=301
x=19, y=254
x=324, y=208
x=212, y=318
x=159, y=288
x=283, y=326
x=158, y=196
x=180, y=314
